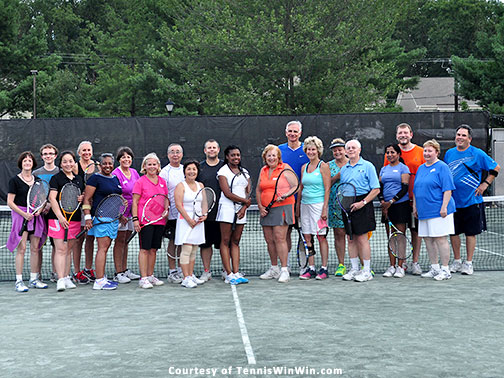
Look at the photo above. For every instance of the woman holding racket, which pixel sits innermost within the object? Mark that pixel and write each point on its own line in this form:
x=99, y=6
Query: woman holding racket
x=19, y=187
x=235, y=184
x=127, y=177
x=98, y=187
x=58, y=221
x=190, y=232
x=434, y=206
x=149, y=186
x=277, y=220
x=334, y=218
x=313, y=203
x=394, y=178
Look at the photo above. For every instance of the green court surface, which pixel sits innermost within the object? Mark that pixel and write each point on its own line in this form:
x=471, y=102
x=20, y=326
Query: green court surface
x=408, y=327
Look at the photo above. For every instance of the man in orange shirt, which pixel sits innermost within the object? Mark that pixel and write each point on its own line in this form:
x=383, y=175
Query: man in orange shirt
x=413, y=158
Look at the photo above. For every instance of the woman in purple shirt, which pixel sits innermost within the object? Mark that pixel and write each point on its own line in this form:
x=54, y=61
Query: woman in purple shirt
x=127, y=177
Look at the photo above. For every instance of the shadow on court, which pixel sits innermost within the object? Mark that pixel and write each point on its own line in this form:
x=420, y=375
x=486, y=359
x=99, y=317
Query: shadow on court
x=384, y=328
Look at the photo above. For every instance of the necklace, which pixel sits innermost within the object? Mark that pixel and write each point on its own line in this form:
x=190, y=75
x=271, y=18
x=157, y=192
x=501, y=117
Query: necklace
x=25, y=180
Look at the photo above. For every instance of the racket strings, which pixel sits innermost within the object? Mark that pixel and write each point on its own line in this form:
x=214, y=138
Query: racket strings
x=398, y=243
x=38, y=196
x=287, y=184
x=154, y=208
x=69, y=198
x=204, y=201
x=111, y=208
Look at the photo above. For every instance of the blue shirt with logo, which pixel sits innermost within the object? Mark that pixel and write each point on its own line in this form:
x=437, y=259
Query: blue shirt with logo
x=362, y=175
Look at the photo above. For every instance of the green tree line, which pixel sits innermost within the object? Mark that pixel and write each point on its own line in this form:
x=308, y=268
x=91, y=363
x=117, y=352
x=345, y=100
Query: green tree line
x=127, y=58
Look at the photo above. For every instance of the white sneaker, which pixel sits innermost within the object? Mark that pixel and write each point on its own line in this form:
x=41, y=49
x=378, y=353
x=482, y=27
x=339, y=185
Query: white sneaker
x=132, y=276
x=196, y=280
x=430, y=274
x=174, y=278
x=272, y=272
x=455, y=267
x=363, y=276
x=155, y=281
x=399, y=272
x=284, y=276
x=145, y=284
x=443, y=275
x=68, y=283
x=188, y=282
x=60, y=285
x=349, y=276
x=224, y=275
x=467, y=269
x=122, y=278
x=37, y=284
x=389, y=272
x=206, y=276
x=416, y=269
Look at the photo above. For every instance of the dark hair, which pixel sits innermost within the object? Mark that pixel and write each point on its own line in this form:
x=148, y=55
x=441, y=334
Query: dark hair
x=24, y=155
x=106, y=155
x=67, y=152
x=465, y=127
x=395, y=147
x=189, y=162
x=49, y=145
x=121, y=151
x=227, y=150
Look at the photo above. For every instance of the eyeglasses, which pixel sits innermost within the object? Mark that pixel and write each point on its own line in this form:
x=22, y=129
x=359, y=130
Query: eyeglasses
x=48, y=153
x=175, y=152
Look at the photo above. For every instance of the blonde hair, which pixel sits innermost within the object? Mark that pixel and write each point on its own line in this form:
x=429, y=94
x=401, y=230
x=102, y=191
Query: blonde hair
x=314, y=141
x=152, y=155
x=434, y=144
x=337, y=140
x=268, y=148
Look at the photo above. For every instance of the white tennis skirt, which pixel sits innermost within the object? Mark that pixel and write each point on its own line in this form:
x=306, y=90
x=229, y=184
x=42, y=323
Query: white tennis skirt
x=435, y=227
x=310, y=214
x=226, y=213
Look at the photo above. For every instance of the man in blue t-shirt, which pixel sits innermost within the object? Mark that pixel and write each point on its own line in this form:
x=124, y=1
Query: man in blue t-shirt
x=466, y=164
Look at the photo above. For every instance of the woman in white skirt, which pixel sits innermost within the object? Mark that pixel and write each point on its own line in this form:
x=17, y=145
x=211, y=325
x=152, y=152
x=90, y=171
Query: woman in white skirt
x=434, y=207
x=190, y=232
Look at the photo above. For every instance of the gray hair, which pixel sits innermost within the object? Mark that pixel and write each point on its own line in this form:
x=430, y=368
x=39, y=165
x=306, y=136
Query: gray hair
x=173, y=145
x=354, y=141
x=293, y=122
x=82, y=143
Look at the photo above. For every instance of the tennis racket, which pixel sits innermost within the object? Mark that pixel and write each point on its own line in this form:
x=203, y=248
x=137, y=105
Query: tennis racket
x=154, y=210
x=69, y=203
x=110, y=209
x=90, y=170
x=287, y=184
x=203, y=203
x=399, y=244
x=322, y=228
x=36, y=200
x=234, y=189
x=303, y=252
x=345, y=195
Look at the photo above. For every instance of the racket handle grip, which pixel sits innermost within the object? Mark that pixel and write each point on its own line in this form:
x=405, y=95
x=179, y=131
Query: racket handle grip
x=66, y=235
x=23, y=229
x=81, y=233
x=131, y=237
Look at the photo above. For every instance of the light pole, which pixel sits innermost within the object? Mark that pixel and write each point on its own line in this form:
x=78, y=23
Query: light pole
x=169, y=106
x=34, y=73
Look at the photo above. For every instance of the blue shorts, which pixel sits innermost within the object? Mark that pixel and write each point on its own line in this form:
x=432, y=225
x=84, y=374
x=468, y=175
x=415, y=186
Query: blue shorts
x=104, y=229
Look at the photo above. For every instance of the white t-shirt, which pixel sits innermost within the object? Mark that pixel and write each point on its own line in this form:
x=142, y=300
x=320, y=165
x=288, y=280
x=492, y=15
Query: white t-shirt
x=239, y=184
x=173, y=176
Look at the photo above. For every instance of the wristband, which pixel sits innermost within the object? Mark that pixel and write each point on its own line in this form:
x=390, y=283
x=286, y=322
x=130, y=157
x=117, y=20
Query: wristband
x=134, y=219
x=87, y=217
x=487, y=182
x=365, y=203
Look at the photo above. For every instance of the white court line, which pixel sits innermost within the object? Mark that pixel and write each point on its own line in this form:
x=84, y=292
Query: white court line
x=243, y=328
x=485, y=250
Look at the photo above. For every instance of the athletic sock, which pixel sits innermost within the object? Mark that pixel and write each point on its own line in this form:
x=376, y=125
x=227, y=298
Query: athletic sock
x=469, y=262
x=355, y=263
x=19, y=277
x=446, y=268
x=33, y=276
x=435, y=267
x=324, y=267
x=312, y=267
x=367, y=265
x=284, y=269
x=458, y=261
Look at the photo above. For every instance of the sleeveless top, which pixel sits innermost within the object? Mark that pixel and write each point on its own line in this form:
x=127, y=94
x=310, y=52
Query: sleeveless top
x=313, y=186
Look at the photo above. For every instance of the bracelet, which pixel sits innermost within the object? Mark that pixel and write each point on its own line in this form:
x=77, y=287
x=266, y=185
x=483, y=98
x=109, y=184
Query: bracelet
x=487, y=182
x=86, y=207
x=87, y=217
x=134, y=219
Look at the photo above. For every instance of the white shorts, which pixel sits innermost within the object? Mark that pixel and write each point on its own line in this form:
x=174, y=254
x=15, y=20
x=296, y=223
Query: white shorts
x=310, y=214
x=126, y=227
x=435, y=227
x=226, y=213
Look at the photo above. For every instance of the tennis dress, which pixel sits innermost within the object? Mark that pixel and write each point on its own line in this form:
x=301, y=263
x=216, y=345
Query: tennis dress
x=197, y=234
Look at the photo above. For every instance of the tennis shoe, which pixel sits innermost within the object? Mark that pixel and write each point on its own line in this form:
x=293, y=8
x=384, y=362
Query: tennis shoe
x=188, y=282
x=284, y=276
x=68, y=283
x=340, y=272
x=241, y=280
x=430, y=274
x=271, y=273
x=21, y=287
x=60, y=285
x=389, y=272
x=145, y=284
x=132, y=276
x=455, y=267
x=37, y=284
x=363, y=276
x=206, y=276
x=54, y=277
x=121, y=278
x=416, y=269
x=80, y=278
x=310, y=273
x=196, y=280
x=349, y=276
x=443, y=275
x=155, y=281
x=174, y=278
x=399, y=272
x=104, y=284
x=322, y=274
x=467, y=269
x=89, y=273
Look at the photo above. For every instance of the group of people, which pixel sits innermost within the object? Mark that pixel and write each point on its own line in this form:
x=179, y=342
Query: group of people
x=416, y=190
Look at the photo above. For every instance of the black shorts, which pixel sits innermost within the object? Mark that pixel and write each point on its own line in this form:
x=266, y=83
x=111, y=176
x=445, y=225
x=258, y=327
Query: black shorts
x=399, y=213
x=212, y=235
x=169, y=229
x=151, y=237
x=362, y=220
x=470, y=220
